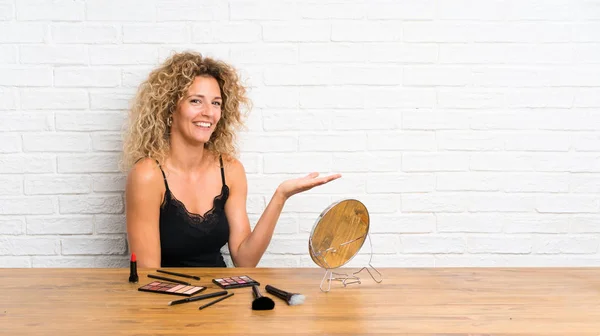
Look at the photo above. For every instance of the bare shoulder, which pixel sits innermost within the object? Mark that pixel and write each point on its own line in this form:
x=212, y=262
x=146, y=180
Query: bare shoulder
x=234, y=169
x=145, y=174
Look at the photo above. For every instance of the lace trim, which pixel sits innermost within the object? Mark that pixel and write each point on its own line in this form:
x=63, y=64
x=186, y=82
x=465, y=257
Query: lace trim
x=210, y=218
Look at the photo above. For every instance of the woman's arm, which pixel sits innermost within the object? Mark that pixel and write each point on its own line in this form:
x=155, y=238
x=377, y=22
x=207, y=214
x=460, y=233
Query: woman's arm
x=246, y=246
x=143, y=197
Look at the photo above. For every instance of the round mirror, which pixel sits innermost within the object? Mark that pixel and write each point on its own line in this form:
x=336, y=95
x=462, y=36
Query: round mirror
x=339, y=233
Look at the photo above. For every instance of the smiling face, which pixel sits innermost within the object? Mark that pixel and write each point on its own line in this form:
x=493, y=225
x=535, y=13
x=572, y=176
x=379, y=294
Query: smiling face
x=199, y=111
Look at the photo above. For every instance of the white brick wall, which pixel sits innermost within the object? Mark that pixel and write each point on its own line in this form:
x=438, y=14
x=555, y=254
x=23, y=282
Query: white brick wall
x=470, y=129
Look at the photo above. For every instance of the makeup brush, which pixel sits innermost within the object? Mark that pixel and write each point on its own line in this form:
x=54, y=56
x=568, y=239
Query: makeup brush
x=292, y=299
x=261, y=302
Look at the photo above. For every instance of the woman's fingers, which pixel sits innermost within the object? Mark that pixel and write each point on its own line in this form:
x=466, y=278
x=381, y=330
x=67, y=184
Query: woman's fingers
x=319, y=181
x=311, y=175
x=294, y=186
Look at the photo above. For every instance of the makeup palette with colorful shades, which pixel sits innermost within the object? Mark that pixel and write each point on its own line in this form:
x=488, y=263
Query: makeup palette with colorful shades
x=235, y=282
x=171, y=288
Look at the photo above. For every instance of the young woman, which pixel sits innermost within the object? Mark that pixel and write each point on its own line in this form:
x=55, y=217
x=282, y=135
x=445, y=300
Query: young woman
x=186, y=191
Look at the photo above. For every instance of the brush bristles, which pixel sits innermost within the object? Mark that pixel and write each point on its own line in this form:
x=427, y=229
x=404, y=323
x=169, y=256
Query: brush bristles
x=296, y=299
x=292, y=299
x=263, y=303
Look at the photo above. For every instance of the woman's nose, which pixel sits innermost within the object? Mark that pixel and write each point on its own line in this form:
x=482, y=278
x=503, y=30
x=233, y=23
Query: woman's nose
x=206, y=110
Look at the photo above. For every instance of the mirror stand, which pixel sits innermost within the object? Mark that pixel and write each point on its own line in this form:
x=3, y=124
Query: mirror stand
x=344, y=278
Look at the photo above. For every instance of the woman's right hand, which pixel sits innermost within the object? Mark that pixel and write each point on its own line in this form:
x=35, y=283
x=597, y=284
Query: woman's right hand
x=291, y=187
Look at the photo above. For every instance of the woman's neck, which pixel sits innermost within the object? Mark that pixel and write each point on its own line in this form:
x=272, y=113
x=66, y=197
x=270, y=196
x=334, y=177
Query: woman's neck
x=185, y=157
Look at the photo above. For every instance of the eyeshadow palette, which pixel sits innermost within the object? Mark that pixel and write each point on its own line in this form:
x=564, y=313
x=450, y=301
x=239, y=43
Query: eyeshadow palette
x=171, y=288
x=235, y=282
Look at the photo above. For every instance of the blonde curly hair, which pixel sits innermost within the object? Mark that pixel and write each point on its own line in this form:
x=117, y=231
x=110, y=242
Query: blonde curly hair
x=147, y=133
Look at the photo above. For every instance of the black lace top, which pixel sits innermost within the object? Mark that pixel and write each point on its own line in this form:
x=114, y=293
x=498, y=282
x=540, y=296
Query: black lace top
x=193, y=240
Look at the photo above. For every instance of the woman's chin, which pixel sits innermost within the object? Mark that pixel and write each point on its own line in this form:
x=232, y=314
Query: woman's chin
x=198, y=142
x=196, y=139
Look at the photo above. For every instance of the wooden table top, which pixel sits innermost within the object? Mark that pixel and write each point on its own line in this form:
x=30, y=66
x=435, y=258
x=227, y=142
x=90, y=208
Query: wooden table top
x=432, y=301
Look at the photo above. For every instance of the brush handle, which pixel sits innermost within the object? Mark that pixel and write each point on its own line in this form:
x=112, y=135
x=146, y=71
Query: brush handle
x=256, y=292
x=215, y=301
x=168, y=279
x=196, y=298
x=278, y=292
x=179, y=274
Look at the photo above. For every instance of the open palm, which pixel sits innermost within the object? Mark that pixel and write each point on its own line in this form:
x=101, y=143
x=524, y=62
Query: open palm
x=297, y=185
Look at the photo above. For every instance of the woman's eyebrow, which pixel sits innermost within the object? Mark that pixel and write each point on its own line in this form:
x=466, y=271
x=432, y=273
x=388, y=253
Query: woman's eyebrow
x=201, y=96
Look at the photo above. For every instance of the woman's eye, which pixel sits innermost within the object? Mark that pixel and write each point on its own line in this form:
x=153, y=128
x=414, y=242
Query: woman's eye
x=217, y=103
x=195, y=101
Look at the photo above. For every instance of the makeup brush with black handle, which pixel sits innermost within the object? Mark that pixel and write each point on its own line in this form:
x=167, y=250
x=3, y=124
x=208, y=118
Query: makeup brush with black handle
x=261, y=302
x=292, y=299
